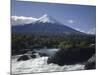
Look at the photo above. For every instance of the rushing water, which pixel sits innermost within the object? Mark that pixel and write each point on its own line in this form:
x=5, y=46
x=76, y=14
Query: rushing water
x=39, y=64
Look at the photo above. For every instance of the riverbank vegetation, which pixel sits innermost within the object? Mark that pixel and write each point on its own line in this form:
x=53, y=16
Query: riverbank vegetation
x=20, y=42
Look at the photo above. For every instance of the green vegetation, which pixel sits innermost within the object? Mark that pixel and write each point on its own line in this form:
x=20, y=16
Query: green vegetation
x=65, y=44
x=20, y=41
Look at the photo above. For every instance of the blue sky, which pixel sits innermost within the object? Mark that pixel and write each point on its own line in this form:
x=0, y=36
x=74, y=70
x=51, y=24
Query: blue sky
x=80, y=17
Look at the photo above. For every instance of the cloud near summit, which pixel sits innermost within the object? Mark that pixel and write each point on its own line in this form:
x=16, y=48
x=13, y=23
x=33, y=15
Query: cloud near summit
x=21, y=20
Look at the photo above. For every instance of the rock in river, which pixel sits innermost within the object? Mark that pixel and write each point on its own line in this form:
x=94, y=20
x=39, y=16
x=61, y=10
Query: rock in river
x=71, y=56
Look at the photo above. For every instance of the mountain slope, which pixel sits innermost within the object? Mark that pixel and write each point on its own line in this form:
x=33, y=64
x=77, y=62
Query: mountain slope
x=45, y=25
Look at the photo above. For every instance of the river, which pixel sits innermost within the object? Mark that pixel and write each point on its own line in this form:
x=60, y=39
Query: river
x=39, y=64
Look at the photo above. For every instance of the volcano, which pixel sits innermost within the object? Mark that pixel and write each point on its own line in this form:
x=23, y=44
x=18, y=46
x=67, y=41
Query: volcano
x=46, y=26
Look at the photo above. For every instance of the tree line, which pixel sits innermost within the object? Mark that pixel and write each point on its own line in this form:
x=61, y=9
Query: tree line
x=21, y=41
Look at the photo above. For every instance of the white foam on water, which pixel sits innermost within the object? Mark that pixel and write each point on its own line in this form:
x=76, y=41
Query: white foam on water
x=49, y=52
x=40, y=65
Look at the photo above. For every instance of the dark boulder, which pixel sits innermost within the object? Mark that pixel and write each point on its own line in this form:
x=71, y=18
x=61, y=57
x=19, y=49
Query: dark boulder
x=33, y=56
x=71, y=56
x=42, y=54
x=23, y=58
x=91, y=63
x=33, y=52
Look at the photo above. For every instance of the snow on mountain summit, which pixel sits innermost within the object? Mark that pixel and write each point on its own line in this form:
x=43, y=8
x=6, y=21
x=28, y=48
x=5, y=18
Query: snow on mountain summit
x=21, y=20
x=45, y=18
x=45, y=25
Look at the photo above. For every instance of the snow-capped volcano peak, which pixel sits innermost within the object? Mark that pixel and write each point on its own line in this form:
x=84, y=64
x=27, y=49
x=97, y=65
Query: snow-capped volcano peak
x=22, y=20
x=45, y=18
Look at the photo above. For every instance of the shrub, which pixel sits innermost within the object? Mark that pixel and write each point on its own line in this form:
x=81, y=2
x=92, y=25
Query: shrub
x=66, y=44
x=83, y=44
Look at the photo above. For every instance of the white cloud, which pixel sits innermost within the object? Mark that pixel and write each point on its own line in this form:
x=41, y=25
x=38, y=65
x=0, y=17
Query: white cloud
x=92, y=31
x=78, y=29
x=70, y=21
x=21, y=20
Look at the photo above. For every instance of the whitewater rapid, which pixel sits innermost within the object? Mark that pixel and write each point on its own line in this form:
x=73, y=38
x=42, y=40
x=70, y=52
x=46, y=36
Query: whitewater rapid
x=40, y=65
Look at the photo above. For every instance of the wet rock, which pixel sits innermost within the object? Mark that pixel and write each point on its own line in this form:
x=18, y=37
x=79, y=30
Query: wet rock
x=91, y=63
x=42, y=54
x=71, y=56
x=33, y=56
x=23, y=58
